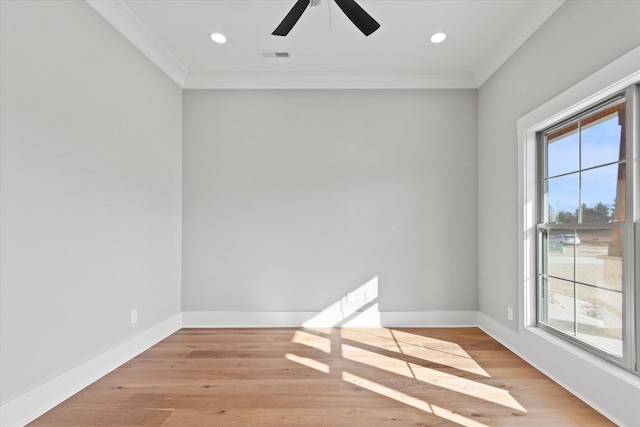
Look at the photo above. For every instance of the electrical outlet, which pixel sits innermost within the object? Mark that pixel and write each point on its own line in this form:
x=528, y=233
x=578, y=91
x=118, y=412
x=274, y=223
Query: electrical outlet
x=134, y=316
x=349, y=297
x=510, y=313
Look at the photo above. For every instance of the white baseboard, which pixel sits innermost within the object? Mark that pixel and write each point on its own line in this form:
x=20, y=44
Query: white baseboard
x=611, y=391
x=427, y=319
x=35, y=402
x=368, y=318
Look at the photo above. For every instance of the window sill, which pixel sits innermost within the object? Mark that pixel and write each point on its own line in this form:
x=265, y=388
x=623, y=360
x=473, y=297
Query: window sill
x=611, y=369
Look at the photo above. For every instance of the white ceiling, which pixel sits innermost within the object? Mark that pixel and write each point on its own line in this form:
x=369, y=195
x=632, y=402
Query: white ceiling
x=327, y=50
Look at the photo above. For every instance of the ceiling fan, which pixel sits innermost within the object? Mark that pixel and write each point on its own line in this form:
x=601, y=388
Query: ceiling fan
x=354, y=12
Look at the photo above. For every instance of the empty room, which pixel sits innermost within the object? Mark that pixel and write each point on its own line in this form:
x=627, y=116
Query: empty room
x=319, y=213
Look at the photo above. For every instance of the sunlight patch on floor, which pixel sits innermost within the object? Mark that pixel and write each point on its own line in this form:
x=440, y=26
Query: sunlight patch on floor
x=310, y=340
x=434, y=377
x=308, y=362
x=410, y=400
x=441, y=353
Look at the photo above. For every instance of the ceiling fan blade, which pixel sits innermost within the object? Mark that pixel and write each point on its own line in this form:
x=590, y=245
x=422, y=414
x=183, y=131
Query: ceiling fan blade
x=292, y=17
x=358, y=16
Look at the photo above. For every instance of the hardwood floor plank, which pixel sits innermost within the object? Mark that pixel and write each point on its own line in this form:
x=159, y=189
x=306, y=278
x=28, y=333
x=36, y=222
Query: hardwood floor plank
x=98, y=417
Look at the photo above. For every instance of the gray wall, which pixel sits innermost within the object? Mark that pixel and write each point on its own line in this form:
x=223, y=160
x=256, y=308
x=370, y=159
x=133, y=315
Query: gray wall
x=91, y=190
x=580, y=38
x=294, y=197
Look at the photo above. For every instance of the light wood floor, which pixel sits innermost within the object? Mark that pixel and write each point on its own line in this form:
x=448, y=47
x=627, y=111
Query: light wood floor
x=325, y=377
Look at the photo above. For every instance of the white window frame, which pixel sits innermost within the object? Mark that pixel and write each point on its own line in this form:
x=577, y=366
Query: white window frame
x=613, y=79
x=629, y=95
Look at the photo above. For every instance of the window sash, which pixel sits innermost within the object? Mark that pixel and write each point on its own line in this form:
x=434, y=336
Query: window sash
x=630, y=226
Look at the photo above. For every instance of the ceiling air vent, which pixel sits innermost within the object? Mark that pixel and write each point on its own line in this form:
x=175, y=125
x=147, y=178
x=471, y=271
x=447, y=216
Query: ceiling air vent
x=274, y=54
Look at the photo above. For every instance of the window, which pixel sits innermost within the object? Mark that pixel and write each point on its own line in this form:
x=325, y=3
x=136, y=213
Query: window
x=585, y=215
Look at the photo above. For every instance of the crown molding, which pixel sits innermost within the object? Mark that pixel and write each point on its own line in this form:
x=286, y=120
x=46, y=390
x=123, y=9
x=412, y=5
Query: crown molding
x=330, y=80
x=536, y=14
x=127, y=23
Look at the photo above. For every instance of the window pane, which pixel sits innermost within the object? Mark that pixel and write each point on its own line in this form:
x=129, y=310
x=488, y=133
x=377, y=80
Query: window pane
x=599, y=189
x=600, y=318
x=601, y=141
x=562, y=152
x=599, y=258
x=560, y=251
x=562, y=195
x=558, y=304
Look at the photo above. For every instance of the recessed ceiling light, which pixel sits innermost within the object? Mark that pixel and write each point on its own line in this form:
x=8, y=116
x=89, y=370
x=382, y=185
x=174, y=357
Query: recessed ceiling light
x=438, y=37
x=218, y=38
